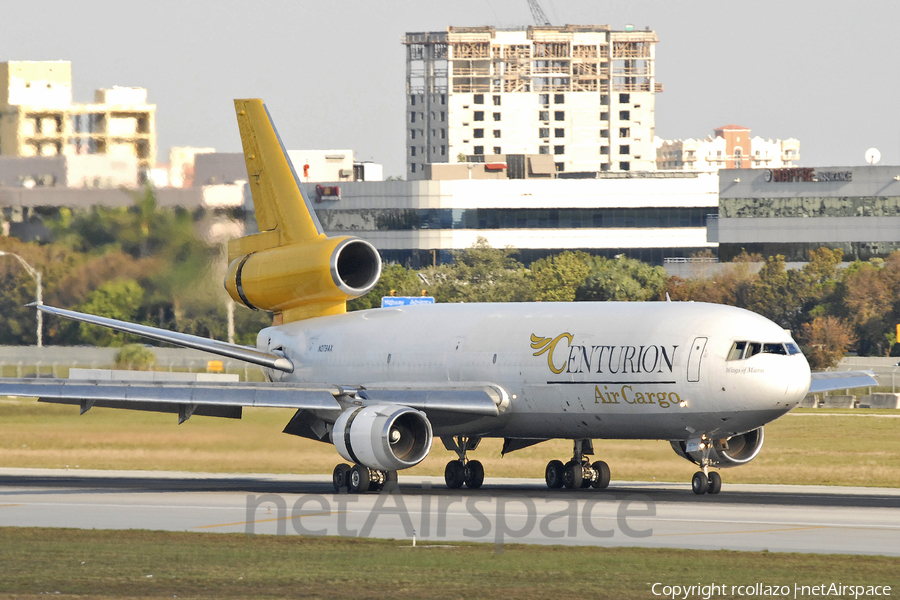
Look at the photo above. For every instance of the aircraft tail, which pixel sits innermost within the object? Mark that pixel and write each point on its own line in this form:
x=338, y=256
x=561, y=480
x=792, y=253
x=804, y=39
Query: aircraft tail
x=290, y=267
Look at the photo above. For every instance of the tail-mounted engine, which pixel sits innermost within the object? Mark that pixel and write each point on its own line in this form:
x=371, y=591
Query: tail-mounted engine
x=387, y=437
x=729, y=452
x=305, y=279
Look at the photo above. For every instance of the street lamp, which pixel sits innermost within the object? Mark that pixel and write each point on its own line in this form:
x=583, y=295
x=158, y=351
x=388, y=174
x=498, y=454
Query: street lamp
x=40, y=297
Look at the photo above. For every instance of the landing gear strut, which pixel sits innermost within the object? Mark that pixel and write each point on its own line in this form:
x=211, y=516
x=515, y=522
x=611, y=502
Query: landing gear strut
x=359, y=479
x=704, y=482
x=578, y=472
x=463, y=471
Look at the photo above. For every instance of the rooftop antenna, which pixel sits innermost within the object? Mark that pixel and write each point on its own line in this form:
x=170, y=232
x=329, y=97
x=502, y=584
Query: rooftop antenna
x=537, y=13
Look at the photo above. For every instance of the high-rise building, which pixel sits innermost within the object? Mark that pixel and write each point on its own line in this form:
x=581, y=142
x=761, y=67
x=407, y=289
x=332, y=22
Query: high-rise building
x=39, y=118
x=583, y=94
x=730, y=148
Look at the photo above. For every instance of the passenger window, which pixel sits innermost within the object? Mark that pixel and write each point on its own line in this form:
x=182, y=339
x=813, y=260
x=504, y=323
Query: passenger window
x=737, y=351
x=792, y=348
x=774, y=349
x=753, y=348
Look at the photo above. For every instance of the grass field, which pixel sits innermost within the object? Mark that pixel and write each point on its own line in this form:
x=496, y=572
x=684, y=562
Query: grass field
x=144, y=564
x=810, y=447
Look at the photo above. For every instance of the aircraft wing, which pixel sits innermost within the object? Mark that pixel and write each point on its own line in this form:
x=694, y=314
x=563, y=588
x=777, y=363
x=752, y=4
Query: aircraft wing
x=841, y=380
x=215, y=399
x=226, y=399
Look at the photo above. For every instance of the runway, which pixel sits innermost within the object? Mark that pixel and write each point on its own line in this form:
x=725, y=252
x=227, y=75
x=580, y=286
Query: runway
x=659, y=515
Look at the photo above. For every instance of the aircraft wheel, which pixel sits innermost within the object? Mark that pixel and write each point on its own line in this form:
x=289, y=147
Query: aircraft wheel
x=454, y=474
x=340, y=477
x=699, y=483
x=474, y=474
x=602, y=481
x=554, y=474
x=715, y=483
x=573, y=475
x=359, y=479
x=585, y=481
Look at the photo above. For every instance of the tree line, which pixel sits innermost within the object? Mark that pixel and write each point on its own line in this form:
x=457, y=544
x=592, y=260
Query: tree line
x=147, y=264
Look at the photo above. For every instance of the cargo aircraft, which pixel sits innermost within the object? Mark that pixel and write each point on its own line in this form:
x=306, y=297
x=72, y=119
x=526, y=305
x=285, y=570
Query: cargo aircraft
x=381, y=384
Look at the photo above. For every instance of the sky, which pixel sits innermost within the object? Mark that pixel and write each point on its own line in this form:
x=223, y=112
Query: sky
x=333, y=73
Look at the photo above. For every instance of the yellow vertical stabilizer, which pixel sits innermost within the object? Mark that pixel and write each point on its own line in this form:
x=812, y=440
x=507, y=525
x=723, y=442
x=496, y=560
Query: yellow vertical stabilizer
x=284, y=213
x=290, y=267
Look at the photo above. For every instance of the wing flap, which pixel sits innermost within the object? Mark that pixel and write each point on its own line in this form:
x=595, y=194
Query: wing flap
x=183, y=410
x=827, y=381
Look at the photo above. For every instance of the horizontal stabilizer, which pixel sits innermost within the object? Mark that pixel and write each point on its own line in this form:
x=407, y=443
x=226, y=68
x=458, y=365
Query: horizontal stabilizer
x=185, y=340
x=840, y=380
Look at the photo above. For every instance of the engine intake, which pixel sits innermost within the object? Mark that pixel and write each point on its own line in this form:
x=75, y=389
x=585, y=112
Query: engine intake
x=309, y=278
x=731, y=452
x=383, y=436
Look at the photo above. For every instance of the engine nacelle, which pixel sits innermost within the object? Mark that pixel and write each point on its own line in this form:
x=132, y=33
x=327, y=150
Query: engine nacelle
x=383, y=436
x=315, y=277
x=731, y=452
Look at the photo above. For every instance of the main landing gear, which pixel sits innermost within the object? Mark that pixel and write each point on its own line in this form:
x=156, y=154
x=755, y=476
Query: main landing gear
x=463, y=471
x=359, y=479
x=578, y=472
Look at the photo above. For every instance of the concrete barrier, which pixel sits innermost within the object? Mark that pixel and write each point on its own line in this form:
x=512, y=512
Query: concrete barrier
x=837, y=402
x=810, y=401
x=882, y=401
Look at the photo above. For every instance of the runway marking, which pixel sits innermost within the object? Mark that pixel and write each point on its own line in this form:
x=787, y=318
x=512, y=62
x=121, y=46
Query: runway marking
x=318, y=514
x=747, y=531
x=843, y=415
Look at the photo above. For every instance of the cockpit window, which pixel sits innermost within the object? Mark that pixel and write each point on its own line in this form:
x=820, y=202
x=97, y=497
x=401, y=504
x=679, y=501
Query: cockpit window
x=737, y=351
x=743, y=350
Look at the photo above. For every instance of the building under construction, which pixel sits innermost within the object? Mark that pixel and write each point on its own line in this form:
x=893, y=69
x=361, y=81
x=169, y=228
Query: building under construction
x=583, y=94
x=39, y=118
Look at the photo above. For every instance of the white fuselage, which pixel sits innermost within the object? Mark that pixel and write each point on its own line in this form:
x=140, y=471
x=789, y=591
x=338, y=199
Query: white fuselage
x=653, y=370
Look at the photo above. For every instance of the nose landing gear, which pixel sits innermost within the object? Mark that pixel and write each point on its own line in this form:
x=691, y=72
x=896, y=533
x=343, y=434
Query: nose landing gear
x=578, y=472
x=704, y=482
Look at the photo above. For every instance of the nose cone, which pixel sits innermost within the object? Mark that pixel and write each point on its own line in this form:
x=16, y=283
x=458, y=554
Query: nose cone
x=786, y=380
x=799, y=378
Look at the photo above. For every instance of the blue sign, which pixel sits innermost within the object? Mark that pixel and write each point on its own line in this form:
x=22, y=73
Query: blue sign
x=392, y=301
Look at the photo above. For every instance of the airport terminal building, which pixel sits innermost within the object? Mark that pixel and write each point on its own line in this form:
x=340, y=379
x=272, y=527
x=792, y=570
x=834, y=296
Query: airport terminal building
x=648, y=216
x=791, y=211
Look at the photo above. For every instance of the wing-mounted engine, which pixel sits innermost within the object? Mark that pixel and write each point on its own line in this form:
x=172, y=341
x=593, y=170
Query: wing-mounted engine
x=387, y=437
x=729, y=452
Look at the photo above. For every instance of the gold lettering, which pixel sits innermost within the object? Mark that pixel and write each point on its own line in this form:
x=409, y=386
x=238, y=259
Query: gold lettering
x=546, y=345
x=625, y=396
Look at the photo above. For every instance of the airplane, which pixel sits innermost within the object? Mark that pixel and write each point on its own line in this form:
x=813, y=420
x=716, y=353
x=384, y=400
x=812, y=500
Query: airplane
x=381, y=384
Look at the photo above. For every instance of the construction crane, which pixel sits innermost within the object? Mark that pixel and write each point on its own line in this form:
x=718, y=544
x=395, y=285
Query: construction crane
x=537, y=13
